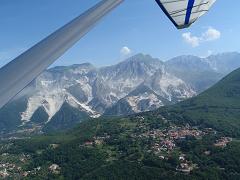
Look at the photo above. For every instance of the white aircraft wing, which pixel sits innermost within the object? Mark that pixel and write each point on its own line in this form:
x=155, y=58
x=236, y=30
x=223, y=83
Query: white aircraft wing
x=183, y=13
x=17, y=74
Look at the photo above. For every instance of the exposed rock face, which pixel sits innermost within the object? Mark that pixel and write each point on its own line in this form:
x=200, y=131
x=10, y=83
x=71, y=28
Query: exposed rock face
x=140, y=83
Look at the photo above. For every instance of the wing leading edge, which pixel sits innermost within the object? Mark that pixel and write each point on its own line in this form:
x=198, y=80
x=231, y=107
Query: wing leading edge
x=21, y=71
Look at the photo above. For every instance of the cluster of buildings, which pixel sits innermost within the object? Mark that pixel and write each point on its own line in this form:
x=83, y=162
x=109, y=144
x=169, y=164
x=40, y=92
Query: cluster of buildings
x=185, y=166
x=22, y=133
x=54, y=168
x=223, y=141
x=97, y=140
x=183, y=132
x=165, y=140
x=166, y=145
x=33, y=172
x=6, y=169
x=4, y=173
x=14, y=170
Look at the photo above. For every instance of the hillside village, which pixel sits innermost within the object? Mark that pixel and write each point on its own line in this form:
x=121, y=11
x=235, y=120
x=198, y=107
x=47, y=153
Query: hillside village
x=162, y=142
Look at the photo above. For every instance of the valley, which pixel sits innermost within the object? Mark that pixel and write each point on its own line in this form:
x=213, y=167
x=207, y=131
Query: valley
x=122, y=148
x=197, y=138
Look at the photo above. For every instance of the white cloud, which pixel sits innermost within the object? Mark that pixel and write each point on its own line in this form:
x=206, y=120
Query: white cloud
x=210, y=35
x=125, y=51
x=193, y=40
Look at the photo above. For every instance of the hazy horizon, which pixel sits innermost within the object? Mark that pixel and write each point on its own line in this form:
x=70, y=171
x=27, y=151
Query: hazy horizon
x=132, y=55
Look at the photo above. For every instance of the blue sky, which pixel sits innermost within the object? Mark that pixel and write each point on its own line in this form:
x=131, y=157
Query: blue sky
x=137, y=25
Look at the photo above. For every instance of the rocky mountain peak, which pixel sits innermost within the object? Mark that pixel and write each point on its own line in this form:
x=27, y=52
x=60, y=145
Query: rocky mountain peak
x=140, y=83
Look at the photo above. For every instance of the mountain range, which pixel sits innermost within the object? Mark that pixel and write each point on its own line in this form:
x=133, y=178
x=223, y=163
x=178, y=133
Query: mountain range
x=198, y=138
x=62, y=96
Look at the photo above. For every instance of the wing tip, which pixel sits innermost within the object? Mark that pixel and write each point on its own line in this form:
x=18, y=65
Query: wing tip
x=184, y=26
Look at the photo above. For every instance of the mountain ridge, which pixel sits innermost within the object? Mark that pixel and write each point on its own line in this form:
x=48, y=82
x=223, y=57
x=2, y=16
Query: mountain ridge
x=97, y=91
x=218, y=107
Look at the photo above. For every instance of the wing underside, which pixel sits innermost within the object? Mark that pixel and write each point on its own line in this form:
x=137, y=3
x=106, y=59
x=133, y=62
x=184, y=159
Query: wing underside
x=183, y=13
